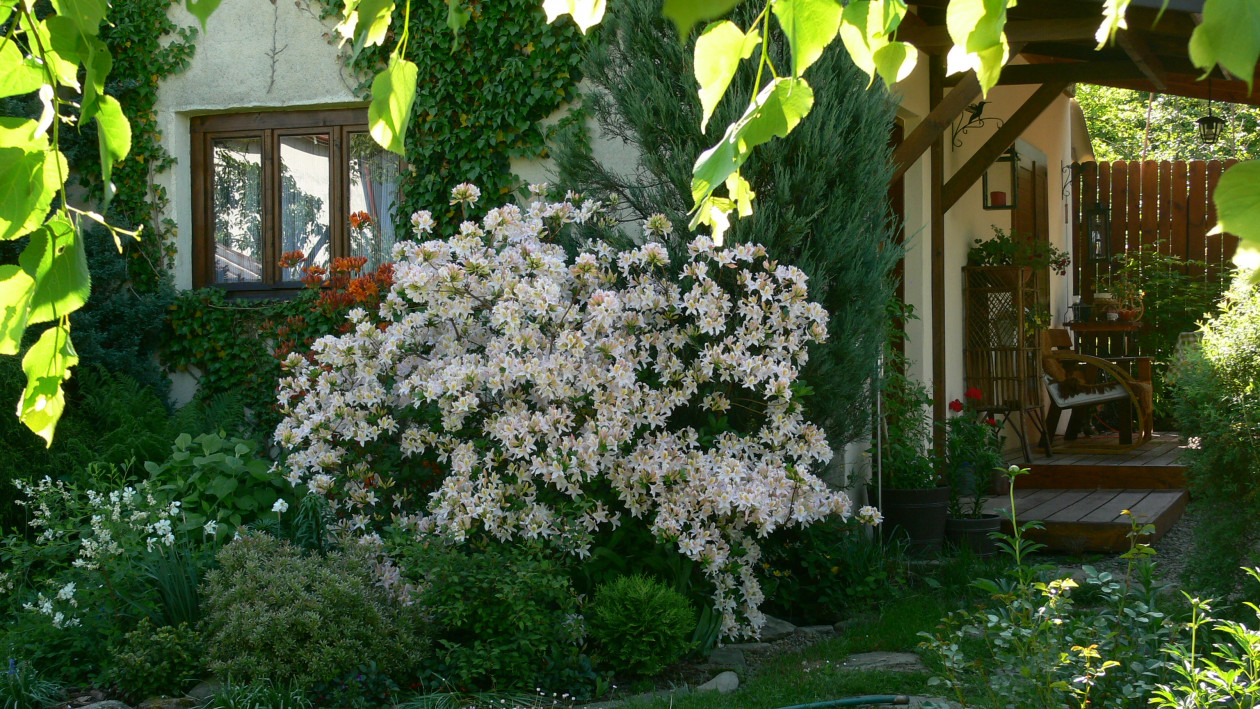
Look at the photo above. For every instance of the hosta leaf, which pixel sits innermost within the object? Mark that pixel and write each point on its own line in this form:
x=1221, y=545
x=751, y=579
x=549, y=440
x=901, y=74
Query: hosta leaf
x=719, y=50
x=778, y=108
x=1230, y=36
x=393, y=92
x=16, y=289
x=55, y=258
x=979, y=42
x=810, y=25
x=46, y=365
x=685, y=14
x=585, y=13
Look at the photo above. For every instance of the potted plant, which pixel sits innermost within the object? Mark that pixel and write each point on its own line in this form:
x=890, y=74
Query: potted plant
x=1024, y=252
x=973, y=450
x=912, y=499
x=1128, y=296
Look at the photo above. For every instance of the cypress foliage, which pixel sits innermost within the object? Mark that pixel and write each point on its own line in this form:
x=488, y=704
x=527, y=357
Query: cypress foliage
x=822, y=193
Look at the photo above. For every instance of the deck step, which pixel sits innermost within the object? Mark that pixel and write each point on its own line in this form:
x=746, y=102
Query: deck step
x=1157, y=465
x=1079, y=520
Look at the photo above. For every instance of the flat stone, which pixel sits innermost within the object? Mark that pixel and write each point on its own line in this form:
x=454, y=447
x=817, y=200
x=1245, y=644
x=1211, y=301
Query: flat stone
x=727, y=656
x=745, y=647
x=724, y=683
x=775, y=629
x=816, y=630
x=885, y=661
x=168, y=703
x=206, y=690
x=107, y=704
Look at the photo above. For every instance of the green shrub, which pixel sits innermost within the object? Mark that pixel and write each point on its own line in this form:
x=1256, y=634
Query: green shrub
x=639, y=624
x=273, y=612
x=22, y=687
x=505, y=612
x=153, y=662
x=259, y=695
x=1217, y=404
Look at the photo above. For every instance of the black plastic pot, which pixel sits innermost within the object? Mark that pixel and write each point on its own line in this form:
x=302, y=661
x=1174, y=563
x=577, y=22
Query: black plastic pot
x=973, y=533
x=916, y=516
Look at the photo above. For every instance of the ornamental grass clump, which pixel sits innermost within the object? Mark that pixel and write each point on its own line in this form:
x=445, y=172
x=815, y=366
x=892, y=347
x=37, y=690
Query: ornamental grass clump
x=276, y=613
x=564, y=397
x=639, y=624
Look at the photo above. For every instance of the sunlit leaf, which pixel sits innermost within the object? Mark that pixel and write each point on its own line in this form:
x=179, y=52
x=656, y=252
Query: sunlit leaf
x=366, y=22
x=719, y=49
x=895, y=61
x=29, y=177
x=87, y=15
x=456, y=16
x=393, y=92
x=1237, y=199
x=810, y=25
x=741, y=193
x=585, y=13
x=16, y=289
x=778, y=108
x=1230, y=36
x=866, y=30
x=979, y=42
x=113, y=137
x=96, y=65
x=1113, y=21
x=56, y=259
x=47, y=365
x=685, y=14
x=18, y=74
x=64, y=48
x=202, y=9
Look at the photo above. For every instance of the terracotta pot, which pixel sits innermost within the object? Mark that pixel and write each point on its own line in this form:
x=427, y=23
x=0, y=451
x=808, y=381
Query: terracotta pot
x=916, y=516
x=973, y=533
x=1129, y=314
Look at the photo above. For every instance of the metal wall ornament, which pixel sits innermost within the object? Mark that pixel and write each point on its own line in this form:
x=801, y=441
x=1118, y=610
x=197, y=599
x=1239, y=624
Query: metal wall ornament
x=1098, y=233
x=1001, y=182
x=1210, y=126
x=974, y=120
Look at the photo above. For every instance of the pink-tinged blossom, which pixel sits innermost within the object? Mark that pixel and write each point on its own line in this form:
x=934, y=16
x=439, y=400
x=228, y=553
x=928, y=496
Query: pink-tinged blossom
x=554, y=394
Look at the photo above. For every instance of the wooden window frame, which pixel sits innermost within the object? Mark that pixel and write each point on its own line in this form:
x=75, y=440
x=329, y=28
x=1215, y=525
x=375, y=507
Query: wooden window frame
x=270, y=127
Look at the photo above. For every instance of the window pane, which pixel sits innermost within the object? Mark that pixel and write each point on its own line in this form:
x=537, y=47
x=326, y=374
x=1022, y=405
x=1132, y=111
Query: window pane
x=374, y=175
x=304, y=189
x=237, y=204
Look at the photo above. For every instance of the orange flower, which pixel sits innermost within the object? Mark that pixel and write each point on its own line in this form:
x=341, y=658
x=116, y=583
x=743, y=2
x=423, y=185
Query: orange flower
x=360, y=220
x=289, y=259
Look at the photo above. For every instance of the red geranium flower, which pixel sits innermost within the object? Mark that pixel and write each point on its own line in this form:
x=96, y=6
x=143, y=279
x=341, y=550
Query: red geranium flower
x=974, y=394
x=991, y=421
x=955, y=406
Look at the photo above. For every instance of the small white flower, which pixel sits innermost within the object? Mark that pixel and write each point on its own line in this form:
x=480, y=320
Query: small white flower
x=211, y=528
x=280, y=507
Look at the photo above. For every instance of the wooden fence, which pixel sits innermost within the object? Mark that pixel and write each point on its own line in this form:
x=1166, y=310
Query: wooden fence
x=1164, y=203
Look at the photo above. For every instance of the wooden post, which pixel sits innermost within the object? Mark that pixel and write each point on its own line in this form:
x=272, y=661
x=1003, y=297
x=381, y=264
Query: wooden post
x=936, y=86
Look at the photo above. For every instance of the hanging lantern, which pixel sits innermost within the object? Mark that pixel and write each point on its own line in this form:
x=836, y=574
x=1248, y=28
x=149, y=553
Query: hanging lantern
x=1001, y=182
x=1098, y=232
x=1210, y=126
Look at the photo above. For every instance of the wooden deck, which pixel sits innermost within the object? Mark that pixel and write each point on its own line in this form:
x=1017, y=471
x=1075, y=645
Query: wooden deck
x=1090, y=520
x=1079, y=496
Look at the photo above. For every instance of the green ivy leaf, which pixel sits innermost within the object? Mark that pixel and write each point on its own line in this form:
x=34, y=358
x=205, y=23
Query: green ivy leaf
x=393, y=92
x=866, y=29
x=1113, y=21
x=1237, y=201
x=202, y=9
x=55, y=258
x=1230, y=36
x=114, y=139
x=16, y=289
x=47, y=365
x=810, y=25
x=18, y=74
x=775, y=112
x=685, y=14
x=719, y=49
x=585, y=13
x=979, y=42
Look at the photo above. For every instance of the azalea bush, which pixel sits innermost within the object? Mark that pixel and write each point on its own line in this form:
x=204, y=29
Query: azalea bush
x=562, y=397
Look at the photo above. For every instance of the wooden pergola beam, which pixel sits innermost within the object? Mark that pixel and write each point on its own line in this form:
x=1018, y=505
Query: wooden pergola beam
x=1071, y=72
x=935, y=38
x=934, y=124
x=999, y=142
x=1146, y=61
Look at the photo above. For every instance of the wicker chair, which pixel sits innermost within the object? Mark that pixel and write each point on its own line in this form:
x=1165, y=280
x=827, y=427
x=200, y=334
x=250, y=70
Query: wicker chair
x=1078, y=383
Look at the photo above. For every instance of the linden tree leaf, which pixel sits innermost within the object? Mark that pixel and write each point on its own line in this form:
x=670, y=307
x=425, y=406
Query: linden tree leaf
x=1238, y=203
x=810, y=25
x=47, y=365
x=585, y=13
x=202, y=9
x=393, y=92
x=866, y=28
x=366, y=22
x=979, y=42
x=96, y=69
x=456, y=16
x=64, y=48
x=57, y=261
x=86, y=14
x=16, y=289
x=775, y=112
x=113, y=137
x=29, y=177
x=719, y=49
x=18, y=74
x=1230, y=36
x=685, y=14
x=1113, y=21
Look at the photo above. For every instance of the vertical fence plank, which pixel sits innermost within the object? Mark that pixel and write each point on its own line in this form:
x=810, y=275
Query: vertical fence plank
x=1150, y=207
x=1213, y=242
x=1228, y=242
x=1164, y=228
x=1133, y=237
x=1196, y=217
x=1088, y=198
x=1177, y=228
x=1112, y=183
x=1077, y=247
